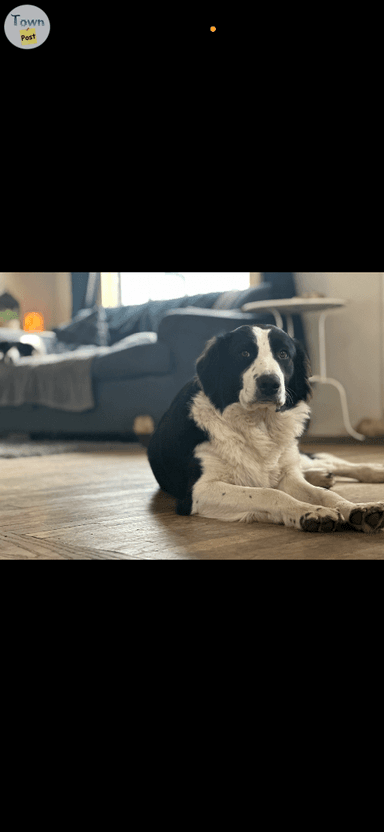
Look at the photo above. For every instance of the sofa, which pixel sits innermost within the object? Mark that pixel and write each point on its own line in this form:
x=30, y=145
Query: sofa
x=142, y=357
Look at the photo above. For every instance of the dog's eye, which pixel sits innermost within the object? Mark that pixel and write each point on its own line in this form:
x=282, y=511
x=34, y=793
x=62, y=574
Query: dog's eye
x=245, y=354
x=283, y=354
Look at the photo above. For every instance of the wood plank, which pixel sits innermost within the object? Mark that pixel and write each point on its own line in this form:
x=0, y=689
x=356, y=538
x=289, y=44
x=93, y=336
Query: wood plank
x=107, y=505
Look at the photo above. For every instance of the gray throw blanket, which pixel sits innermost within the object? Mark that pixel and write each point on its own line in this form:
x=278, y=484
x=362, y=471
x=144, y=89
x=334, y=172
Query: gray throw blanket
x=56, y=381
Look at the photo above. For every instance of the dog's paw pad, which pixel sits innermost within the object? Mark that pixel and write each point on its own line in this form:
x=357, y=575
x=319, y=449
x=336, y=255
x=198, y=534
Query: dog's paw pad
x=310, y=523
x=328, y=526
x=356, y=518
x=320, y=520
x=368, y=518
x=373, y=519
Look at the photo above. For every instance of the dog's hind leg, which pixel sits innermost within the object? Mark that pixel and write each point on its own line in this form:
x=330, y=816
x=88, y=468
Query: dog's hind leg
x=363, y=472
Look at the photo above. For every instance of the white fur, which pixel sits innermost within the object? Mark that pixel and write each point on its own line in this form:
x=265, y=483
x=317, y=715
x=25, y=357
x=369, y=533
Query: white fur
x=264, y=363
x=36, y=342
x=317, y=470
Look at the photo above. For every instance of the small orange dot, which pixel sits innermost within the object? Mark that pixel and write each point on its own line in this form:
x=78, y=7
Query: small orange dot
x=213, y=28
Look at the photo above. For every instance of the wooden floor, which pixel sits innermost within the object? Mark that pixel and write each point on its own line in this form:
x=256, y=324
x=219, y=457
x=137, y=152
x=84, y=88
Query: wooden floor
x=107, y=505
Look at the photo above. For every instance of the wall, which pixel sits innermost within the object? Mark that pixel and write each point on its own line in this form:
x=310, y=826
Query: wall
x=47, y=292
x=354, y=338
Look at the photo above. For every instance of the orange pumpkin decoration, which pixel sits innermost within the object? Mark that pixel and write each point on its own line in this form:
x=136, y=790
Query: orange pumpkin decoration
x=33, y=322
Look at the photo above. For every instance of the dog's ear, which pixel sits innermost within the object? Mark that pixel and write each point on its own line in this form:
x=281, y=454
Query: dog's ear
x=209, y=370
x=206, y=362
x=299, y=386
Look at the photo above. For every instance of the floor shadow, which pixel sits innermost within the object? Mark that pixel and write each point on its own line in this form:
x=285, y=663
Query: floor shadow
x=162, y=504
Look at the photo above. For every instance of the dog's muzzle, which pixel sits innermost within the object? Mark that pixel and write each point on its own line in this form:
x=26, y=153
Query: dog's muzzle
x=268, y=388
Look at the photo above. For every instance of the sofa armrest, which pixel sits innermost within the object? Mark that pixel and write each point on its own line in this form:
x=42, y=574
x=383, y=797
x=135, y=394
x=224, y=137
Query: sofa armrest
x=187, y=330
x=135, y=356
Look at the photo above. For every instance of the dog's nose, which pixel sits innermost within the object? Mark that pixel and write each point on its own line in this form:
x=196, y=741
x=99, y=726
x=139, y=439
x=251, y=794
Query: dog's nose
x=268, y=384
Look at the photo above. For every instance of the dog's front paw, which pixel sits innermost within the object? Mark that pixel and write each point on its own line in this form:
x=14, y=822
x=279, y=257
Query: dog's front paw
x=320, y=519
x=367, y=517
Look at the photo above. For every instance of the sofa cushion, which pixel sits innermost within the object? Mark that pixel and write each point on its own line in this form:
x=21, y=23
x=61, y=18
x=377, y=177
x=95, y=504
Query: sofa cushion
x=146, y=317
x=237, y=298
x=137, y=355
x=89, y=326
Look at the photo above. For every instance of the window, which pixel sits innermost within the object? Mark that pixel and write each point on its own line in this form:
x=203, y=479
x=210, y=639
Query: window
x=110, y=289
x=138, y=287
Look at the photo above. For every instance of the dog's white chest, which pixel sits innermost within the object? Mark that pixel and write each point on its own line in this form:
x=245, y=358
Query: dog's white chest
x=238, y=464
x=250, y=449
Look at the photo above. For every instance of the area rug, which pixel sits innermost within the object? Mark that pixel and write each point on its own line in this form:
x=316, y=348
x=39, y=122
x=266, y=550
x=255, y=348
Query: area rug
x=17, y=445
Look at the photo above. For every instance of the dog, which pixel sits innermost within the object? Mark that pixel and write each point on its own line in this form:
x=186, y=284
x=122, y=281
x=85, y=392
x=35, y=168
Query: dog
x=228, y=446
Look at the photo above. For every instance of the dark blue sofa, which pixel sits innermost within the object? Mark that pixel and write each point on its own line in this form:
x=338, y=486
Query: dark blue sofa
x=153, y=352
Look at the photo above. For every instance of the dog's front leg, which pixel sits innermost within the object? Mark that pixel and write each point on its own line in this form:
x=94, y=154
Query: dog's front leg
x=365, y=517
x=222, y=501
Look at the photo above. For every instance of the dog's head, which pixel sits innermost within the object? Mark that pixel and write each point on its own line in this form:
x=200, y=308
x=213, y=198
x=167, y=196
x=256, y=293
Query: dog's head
x=258, y=366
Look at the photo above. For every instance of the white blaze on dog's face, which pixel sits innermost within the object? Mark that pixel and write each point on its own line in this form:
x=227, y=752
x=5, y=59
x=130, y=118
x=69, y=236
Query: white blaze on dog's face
x=264, y=380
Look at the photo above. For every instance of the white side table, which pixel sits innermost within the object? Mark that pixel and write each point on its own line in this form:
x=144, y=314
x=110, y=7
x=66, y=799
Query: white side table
x=296, y=306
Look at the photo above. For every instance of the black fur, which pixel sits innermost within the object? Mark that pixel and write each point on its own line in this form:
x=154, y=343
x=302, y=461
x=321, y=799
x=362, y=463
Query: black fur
x=24, y=349
x=221, y=365
x=299, y=387
x=170, y=451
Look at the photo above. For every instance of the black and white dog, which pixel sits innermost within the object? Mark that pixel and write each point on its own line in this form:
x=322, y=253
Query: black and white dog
x=227, y=448
x=28, y=345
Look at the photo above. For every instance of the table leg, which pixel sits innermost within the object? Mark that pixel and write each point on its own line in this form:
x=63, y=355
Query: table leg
x=290, y=326
x=322, y=379
x=279, y=322
x=323, y=358
x=277, y=317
